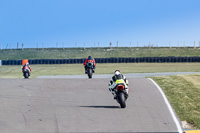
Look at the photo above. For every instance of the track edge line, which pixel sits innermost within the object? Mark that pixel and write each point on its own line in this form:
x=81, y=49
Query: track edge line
x=169, y=106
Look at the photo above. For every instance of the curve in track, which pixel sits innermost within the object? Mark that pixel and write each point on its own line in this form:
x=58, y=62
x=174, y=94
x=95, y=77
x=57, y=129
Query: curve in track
x=81, y=105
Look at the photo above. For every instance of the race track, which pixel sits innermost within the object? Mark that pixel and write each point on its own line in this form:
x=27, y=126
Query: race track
x=81, y=105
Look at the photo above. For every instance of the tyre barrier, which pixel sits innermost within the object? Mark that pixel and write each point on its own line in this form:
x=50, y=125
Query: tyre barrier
x=106, y=60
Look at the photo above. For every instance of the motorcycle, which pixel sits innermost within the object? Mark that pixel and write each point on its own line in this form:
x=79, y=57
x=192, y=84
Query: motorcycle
x=90, y=70
x=26, y=72
x=121, y=95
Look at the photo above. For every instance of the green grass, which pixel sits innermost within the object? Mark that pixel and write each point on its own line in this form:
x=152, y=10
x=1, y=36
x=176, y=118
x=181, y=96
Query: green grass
x=74, y=53
x=183, y=92
x=109, y=68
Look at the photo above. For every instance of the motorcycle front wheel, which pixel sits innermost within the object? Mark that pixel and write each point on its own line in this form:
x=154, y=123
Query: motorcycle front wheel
x=89, y=73
x=26, y=75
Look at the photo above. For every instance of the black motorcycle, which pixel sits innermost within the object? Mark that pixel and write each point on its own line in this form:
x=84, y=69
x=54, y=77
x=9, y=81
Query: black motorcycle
x=26, y=72
x=90, y=67
x=121, y=95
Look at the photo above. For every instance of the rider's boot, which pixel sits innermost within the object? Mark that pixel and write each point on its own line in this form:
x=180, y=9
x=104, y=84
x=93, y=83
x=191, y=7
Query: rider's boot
x=114, y=94
x=126, y=92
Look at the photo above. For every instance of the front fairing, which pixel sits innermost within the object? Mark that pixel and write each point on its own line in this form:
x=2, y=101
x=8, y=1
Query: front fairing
x=90, y=64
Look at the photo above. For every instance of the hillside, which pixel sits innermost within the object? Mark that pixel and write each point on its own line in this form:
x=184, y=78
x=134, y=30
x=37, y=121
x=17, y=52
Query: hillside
x=69, y=53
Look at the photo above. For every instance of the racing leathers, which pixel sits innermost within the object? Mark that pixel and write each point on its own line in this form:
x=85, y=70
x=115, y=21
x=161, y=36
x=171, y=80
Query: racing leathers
x=89, y=60
x=115, y=80
x=28, y=66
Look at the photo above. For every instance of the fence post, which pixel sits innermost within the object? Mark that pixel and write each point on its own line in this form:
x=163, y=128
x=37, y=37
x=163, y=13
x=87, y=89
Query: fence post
x=22, y=46
x=17, y=45
x=199, y=43
x=110, y=45
x=0, y=63
x=149, y=45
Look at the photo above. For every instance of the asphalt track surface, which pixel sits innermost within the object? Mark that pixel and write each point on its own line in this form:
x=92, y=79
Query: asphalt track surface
x=81, y=105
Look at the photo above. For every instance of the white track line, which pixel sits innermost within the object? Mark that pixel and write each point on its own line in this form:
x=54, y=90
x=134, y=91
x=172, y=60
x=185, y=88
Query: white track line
x=169, y=107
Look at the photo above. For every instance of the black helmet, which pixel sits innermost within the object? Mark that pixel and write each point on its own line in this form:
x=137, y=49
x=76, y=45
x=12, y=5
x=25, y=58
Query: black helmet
x=90, y=58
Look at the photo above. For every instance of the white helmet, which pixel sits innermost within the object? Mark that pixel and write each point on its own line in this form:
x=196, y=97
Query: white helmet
x=117, y=72
x=27, y=64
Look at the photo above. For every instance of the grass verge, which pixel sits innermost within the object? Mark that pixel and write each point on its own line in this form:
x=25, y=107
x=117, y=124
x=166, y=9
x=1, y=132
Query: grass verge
x=183, y=92
x=72, y=53
x=108, y=68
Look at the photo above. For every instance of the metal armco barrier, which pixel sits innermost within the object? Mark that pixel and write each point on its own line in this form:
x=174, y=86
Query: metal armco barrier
x=106, y=60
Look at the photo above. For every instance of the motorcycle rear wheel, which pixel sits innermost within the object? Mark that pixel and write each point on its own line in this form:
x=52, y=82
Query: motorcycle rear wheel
x=121, y=100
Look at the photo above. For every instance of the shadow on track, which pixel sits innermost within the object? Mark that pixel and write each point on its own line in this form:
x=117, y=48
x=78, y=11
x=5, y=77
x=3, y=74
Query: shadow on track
x=108, y=107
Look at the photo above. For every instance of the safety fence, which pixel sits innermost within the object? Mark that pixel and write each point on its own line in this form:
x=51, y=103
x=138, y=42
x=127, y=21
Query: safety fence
x=106, y=60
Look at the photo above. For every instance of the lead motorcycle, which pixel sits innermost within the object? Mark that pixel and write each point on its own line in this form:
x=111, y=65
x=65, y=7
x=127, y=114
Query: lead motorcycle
x=26, y=72
x=90, y=69
x=121, y=95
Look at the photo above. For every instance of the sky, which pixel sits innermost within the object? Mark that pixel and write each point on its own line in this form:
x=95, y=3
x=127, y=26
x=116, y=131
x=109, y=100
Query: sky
x=92, y=23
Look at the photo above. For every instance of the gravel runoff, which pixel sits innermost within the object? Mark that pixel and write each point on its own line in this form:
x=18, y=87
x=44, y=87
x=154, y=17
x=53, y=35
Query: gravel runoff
x=128, y=75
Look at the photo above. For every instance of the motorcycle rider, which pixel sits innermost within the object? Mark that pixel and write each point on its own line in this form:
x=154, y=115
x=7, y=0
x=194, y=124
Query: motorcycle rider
x=118, y=78
x=89, y=59
x=26, y=65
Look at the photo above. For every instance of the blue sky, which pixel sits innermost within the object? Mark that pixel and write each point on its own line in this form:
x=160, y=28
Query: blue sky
x=72, y=23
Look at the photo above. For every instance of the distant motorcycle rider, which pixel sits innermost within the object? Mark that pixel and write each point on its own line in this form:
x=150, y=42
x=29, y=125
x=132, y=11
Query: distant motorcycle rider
x=89, y=59
x=26, y=65
x=118, y=78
